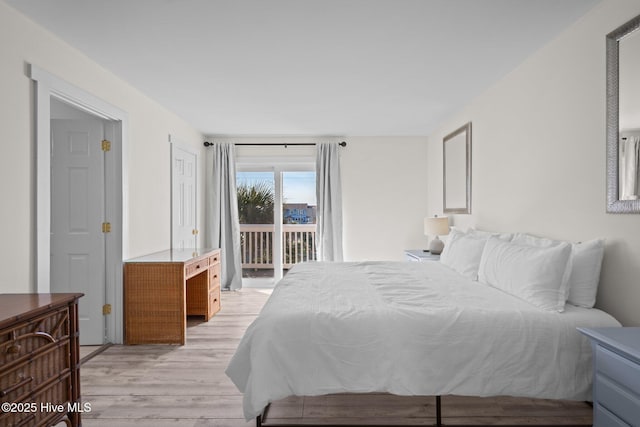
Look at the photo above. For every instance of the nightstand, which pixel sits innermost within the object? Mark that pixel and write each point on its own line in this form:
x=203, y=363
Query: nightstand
x=418, y=255
x=616, y=375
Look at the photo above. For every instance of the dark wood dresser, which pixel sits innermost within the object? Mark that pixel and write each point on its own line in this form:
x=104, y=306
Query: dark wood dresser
x=39, y=360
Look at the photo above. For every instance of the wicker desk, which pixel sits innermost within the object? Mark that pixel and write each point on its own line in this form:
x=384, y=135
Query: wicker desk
x=39, y=360
x=162, y=288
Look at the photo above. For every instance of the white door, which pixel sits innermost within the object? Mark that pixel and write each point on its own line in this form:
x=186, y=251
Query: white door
x=77, y=214
x=184, y=231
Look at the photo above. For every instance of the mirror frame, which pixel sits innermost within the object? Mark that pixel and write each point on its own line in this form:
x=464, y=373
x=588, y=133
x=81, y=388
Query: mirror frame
x=614, y=204
x=466, y=130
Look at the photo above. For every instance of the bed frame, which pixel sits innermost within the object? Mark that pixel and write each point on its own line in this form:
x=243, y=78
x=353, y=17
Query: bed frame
x=261, y=420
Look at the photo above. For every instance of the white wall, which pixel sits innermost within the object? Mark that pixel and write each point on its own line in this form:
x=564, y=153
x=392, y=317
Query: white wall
x=384, y=188
x=539, y=154
x=23, y=42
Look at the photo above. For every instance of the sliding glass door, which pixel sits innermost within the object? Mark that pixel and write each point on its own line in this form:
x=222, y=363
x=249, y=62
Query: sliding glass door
x=277, y=207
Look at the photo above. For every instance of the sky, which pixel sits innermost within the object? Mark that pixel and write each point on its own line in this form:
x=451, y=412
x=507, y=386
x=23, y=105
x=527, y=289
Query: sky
x=297, y=187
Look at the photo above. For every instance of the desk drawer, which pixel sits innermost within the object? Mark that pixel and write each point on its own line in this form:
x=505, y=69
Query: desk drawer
x=214, y=259
x=196, y=267
x=214, y=301
x=214, y=276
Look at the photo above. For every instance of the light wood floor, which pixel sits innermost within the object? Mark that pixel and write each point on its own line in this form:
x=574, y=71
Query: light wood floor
x=163, y=385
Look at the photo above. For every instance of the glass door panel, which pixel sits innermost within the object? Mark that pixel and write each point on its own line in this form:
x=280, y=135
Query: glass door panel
x=298, y=218
x=256, y=202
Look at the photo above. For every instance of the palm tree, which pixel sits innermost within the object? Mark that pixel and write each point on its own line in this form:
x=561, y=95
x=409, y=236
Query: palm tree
x=255, y=206
x=255, y=203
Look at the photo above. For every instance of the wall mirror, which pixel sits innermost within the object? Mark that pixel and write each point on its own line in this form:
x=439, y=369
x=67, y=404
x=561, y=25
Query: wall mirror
x=456, y=148
x=623, y=118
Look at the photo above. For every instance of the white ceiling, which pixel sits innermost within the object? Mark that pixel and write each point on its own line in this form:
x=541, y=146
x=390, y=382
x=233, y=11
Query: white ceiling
x=308, y=67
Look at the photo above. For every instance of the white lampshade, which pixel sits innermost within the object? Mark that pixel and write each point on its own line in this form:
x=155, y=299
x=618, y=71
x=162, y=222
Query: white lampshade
x=436, y=226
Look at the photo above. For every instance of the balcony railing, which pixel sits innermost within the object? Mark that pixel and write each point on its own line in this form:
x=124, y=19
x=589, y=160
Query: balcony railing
x=256, y=240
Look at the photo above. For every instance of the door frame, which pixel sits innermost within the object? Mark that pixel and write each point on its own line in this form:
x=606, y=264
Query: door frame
x=49, y=86
x=276, y=165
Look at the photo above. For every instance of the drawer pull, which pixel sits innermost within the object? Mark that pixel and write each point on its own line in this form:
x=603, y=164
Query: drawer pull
x=16, y=386
x=197, y=266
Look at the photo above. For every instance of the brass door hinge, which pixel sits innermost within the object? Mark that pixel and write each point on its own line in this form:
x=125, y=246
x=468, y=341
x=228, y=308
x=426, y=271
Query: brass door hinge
x=106, y=309
x=194, y=231
x=106, y=227
x=106, y=145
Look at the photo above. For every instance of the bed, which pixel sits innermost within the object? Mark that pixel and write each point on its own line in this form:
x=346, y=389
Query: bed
x=411, y=329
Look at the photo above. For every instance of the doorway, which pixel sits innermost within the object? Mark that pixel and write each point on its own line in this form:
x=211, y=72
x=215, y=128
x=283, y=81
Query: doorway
x=277, y=209
x=49, y=90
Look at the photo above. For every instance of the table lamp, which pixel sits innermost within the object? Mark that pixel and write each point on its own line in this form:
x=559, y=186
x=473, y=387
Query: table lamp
x=436, y=226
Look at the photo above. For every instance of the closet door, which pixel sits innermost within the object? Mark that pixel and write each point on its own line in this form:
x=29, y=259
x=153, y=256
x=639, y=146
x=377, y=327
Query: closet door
x=184, y=230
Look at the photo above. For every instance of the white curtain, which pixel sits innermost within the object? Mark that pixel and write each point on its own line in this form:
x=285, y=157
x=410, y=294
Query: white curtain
x=223, y=229
x=628, y=168
x=329, y=195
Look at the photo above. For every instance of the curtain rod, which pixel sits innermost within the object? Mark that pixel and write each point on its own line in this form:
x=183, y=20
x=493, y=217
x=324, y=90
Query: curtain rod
x=342, y=144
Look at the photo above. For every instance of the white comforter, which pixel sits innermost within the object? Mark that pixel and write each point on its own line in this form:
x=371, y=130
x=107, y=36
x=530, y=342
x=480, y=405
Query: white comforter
x=408, y=329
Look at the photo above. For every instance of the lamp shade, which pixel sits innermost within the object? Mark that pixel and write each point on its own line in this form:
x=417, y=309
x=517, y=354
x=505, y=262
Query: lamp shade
x=436, y=226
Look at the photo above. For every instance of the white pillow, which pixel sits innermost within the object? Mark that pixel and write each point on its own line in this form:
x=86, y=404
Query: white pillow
x=585, y=273
x=462, y=253
x=543, y=242
x=528, y=239
x=486, y=234
x=535, y=274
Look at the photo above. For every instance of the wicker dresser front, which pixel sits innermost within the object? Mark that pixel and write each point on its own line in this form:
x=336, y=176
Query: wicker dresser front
x=163, y=288
x=203, y=288
x=39, y=359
